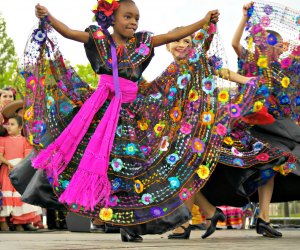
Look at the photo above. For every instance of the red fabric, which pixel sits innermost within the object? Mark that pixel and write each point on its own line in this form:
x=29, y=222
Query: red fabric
x=261, y=117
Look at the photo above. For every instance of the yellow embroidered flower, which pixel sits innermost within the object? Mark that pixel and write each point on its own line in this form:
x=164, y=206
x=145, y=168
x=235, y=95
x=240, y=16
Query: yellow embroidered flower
x=228, y=140
x=28, y=115
x=106, y=214
x=159, y=128
x=257, y=106
x=223, y=96
x=281, y=170
x=262, y=62
x=193, y=96
x=203, y=172
x=142, y=125
x=138, y=186
x=285, y=82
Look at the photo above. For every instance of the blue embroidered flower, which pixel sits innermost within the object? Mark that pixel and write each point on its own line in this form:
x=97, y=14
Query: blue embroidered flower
x=174, y=182
x=65, y=108
x=156, y=211
x=263, y=90
x=172, y=93
x=284, y=100
x=147, y=199
x=216, y=62
x=183, y=80
x=267, y=174
x=115, y=184
x=39, y=127
x=272, y=39
x=172, y=159
x=39, y=36
x=194, y=57
x=117, y=165
x=238, y=162
x=257, y=146
x=131, y=149
x=50, y=102
x=208, y=85
x=145, y=150
x=64, y=184
x=297, y=101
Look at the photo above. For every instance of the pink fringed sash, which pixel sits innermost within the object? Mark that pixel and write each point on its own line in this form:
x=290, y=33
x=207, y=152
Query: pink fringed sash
x=89, y=185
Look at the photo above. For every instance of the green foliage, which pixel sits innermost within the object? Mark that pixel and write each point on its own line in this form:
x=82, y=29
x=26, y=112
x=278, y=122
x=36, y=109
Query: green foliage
x=87, y=74
x=8, y=61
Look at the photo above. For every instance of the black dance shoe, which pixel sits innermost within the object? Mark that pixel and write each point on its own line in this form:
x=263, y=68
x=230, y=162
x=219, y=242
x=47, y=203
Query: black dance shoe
x=218, y=216
x=129, y=236
x=181, y=236
x=266, y=229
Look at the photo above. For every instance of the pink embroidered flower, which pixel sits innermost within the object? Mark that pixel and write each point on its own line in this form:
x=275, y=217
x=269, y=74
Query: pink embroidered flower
x=256, y=29
x=143, y=50
x=262, y=157
x=212, y=28
x=113, y=201
x=221, y=129
x=147, y=199
x=286, y=63
x=265, y=21
x=98, y=34
x=31, y=83
x=185, y=194
x=296, y=51
x=236, y=152
x=186, y=128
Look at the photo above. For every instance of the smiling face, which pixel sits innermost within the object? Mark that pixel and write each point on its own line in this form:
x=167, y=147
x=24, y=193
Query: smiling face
x=6, y=97
x=126, y=21
x=181, y=48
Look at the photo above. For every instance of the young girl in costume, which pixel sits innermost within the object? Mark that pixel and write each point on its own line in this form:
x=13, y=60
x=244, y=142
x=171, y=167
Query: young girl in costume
x=13, y=148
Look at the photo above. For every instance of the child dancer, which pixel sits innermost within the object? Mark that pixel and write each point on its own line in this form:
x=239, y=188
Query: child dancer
x=13, y=148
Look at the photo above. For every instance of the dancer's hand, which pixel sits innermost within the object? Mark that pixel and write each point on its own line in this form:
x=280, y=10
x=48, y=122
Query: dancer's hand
x=10, y=167
x=246, y=7
x=212, y=16
x=41, y=11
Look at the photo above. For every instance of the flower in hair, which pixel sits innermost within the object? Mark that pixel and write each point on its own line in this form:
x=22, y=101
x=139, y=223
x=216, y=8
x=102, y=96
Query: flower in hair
x=104, y=12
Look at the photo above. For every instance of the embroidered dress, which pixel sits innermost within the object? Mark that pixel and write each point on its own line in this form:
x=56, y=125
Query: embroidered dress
x=14, y=148
x=164, y=149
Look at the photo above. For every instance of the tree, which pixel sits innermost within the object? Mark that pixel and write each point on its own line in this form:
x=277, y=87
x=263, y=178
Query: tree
x=8, y=61
x=87, y=74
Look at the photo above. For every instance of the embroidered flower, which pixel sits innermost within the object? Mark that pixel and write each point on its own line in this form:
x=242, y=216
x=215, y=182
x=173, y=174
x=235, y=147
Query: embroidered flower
x=186, y=128
x=176, y=114
x=238, y=162
x=200, y=37
x=193, y=56
x=216, y=62
x=106, y=214
x=223, y=96
x=64, y=184
x=228, y=140
x=116, y=183
x=203, y=172
x=138, y=186
x=262, y=62
x=62, y=86
x=31, y=83
x=265, y=21
x=172, y=69
x=272, y=39
x=174, y=182
x=257, y=106
x=183, y=80
x=113, y=201
x=164, y=145
x=221, y=129
x=119, y=130
x=143, y=125
x=156, y=96
x=207, y=118
x=297, y=20
x=117, y=165
x=235, y=152
x=98, y=34
x=257, y=146
x=147, y=199
x=172, y=93
x=172, y=158
x=131, y=149
x=50, y=102
x=268, y=9
x=296, y=51
x=39, y=127
x=256, y=29
x=185, y=194
x=74, y=208
x=262, y=157
x=146, y=150
x=193, y=95
x=212, y=28
x=158, y=128
x=65, y=108
x=297, y=101
x=285, y=82
x=39, y=36
x=234, y=110
x=286, y=62
x=198, y=146
x=29, y=113
x=156, y=211
x=284, y=100
x=264, y=90
x=143, y=49
x=208, y=85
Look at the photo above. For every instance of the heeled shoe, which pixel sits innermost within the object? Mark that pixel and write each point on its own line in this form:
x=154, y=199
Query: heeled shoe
x=218, y=216
x=179, y=236
x=266, y=229
x=129, y=236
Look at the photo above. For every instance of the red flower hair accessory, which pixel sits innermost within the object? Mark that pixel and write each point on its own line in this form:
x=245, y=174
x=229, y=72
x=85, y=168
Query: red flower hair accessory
x=104, y=12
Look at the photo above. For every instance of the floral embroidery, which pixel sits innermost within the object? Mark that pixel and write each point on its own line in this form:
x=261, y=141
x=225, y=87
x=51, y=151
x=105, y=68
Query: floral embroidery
x=207, y=118
x=193, y=95
x=39, y=36
x=138, y=186
x=262, y=157
x=228, y=140
x=164, y=145
x=131, y=149
x=143, y=49
x=65, y=108
x=156, y=211
x=203, y=172
x=29, y=113
x=208, y=85
x=113, y=201
x=286, y=63
x=174, y=182
x=223, y=96
x=238, y=162
x=39, y=127
x=106, y=214
x=158, y=128
x=176, y=114
x=31, y=83
x=147, y=199
x=117, y=165
x=198, y=146
x=186, y=128
x=257, y=106
x=183, y=81
x=221, y=129
x=285, y=82
x=262, y=62
x=172, y=158
x=185, y=194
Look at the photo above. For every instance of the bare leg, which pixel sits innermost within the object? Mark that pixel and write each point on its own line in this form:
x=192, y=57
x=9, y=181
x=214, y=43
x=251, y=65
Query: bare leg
x=206, y=207
x=265, y=195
